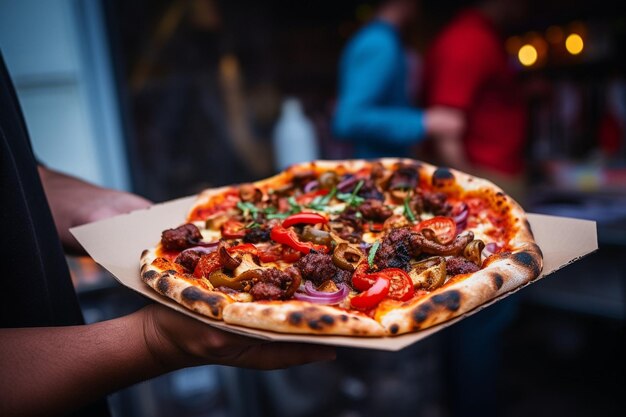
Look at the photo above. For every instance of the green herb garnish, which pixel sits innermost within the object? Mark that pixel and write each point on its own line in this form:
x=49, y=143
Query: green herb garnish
x=352, y=199
x=252, y=225
x=372, y=254
x=407, y=210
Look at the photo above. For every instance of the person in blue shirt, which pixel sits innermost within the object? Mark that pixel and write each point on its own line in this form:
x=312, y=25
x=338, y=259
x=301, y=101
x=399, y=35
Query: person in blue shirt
x=373, y=110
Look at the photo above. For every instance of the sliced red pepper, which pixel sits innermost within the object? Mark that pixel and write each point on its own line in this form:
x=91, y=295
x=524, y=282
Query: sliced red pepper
x=206, y=264
x=245, y=248
x=304, y=218
x=288, y=237
x=401, y=286
x=310, y=196
x=361, y=280
x=373, y=296
x=233, y=230
x=443, y=227
x=375, y=227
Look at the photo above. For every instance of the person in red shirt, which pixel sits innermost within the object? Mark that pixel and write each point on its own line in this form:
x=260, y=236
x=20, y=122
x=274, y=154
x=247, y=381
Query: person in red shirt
x=466, y=69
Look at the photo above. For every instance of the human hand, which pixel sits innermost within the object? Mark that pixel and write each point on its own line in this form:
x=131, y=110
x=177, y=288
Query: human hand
x=178, y=341
x=444, y=121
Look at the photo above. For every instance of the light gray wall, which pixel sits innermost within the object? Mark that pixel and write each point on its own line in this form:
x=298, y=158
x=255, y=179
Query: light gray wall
x=57, y=54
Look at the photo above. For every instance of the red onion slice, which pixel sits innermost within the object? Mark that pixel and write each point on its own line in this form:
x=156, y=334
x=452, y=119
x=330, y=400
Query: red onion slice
x=346, y=185
x=463, y=214
x=490, y=249
x=310, y=186
x=202, y=249
x=320, y=297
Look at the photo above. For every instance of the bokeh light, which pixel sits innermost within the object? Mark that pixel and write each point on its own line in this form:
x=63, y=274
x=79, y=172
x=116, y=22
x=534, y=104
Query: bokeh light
x=527, y=55
x=574, y=44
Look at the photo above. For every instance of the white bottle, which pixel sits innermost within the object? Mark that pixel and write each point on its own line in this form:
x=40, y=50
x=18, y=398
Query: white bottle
x=294, y=137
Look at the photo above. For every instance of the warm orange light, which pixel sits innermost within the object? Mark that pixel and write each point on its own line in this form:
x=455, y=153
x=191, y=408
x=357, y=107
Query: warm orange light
x=574, y=44
x=513, y=44
x=554, y=34
x=527, y=55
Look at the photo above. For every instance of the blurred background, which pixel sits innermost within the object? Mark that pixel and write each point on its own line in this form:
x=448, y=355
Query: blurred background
x=165, y=98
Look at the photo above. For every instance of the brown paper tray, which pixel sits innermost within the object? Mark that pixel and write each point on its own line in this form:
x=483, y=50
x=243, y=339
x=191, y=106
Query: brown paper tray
x=117, y=243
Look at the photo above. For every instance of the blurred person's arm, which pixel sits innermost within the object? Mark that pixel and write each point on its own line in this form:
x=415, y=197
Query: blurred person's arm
x=367, y=71
x=74, y=202
x=53, y=370
x=446, y=126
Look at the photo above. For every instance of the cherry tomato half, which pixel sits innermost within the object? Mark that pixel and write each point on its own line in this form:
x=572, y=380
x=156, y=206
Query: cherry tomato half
x=233, y=230
x=400, y=284
x=271, y=254
x=372, y=297
x=206, y=264
x=443, y=227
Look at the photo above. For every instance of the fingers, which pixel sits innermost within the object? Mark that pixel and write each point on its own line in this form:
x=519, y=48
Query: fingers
x=204, y=344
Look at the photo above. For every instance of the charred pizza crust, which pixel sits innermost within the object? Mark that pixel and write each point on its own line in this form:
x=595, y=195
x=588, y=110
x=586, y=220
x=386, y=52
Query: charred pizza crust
x=519, y=264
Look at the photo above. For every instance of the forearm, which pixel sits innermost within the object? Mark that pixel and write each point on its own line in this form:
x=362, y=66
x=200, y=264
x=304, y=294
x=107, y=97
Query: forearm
x=53, y=370
x=74, y=202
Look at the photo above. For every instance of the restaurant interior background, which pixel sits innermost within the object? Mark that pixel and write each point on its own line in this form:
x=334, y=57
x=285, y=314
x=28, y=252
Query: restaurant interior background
x=165, y=98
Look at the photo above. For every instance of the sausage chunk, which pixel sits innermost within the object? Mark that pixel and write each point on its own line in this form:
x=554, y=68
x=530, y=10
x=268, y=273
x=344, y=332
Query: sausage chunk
x=375, y=210
x=395, y=250
x=274, y=284
x=189, y=259
x=319, y=267
x=459, y=265
x=182, y=237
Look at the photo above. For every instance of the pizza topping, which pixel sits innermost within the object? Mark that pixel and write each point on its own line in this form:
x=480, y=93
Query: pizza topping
x=400, y=284
x=352, y=199
x=206, y=265
x=429, y=273
x=490, y=249
x=317, y=296
x=319, y=267
x=219, y=279
x=395, y=250
x=473, y=251
x=189, y=257
x=249, y=193
x=420, y=243
x=375, y=210
x=438, y=229
x=436, y=203
x=274, y=284
x=318, y=236
x=289, y=237
x=182, y=237
x=459, y=265
x=328, y=180
x=304, y=218
x=257, y=235
x=347, y=257
x=372, y=296
x=233, y=230
x=405, y=177
x=372, y=254
x=460, y=214
x=226, y=259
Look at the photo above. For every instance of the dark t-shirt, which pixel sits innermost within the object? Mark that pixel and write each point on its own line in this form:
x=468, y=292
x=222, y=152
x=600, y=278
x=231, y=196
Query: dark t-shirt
x=36, y=289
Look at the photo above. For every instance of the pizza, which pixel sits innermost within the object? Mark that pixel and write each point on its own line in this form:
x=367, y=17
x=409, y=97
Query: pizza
x=356, y=248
